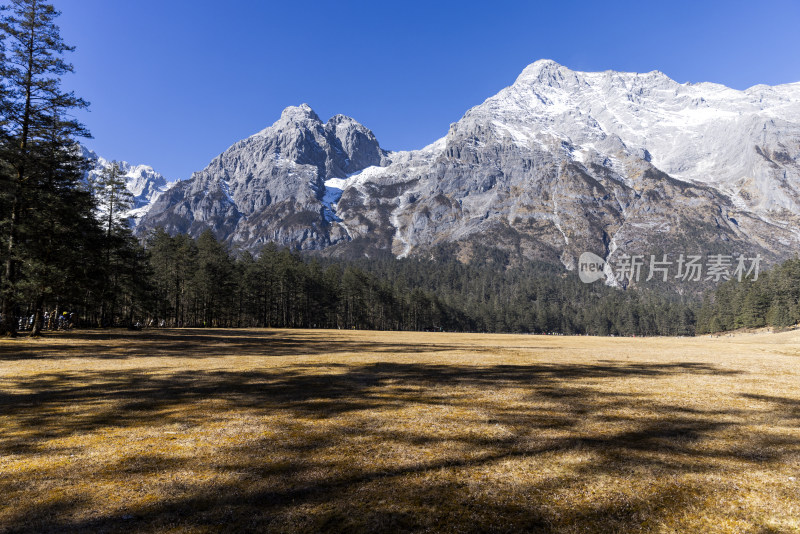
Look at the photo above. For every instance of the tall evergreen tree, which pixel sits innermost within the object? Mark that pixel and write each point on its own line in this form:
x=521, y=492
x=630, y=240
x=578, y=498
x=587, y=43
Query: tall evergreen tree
x=61, y=231
x=35, y=128
x=113, y=201
x=162, y=251
x=213, y=282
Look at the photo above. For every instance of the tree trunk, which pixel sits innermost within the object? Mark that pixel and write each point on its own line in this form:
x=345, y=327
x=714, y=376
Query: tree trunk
x=8, y=325
x=36, y=329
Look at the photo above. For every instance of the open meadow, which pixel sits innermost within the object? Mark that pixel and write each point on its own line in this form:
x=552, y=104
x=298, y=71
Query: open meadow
x=346, y=431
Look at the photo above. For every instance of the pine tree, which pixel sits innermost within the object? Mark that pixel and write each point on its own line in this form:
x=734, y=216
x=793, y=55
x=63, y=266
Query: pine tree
x=62, y=233
x=113, y=201
x=161, y=249
x=36, y=135
x=213, y=281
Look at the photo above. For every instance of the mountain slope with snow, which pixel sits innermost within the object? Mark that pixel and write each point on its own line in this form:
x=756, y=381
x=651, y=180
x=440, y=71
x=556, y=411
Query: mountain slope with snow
x=144, y=183
x=559, y=163
x=705, y=133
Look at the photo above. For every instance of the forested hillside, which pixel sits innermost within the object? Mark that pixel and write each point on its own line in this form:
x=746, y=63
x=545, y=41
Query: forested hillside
x=773, y=299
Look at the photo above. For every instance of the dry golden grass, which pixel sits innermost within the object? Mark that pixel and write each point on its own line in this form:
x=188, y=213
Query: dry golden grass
x=287, y=431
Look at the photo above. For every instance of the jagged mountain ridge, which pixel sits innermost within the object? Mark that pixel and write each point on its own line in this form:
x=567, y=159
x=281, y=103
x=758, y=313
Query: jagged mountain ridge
x=558, y=163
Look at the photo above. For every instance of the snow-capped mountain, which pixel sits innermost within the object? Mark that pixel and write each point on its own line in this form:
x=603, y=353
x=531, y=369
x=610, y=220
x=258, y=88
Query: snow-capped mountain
x=144, y=184
x=559, y=163
x=705, y=133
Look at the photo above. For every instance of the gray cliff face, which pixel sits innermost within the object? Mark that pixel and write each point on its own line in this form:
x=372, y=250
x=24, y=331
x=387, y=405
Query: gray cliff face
x=557, y=164
x=271, y=186
x=355, y=147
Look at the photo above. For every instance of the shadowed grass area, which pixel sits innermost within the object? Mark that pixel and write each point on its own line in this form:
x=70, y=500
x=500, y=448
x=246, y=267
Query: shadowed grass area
x=307, y=431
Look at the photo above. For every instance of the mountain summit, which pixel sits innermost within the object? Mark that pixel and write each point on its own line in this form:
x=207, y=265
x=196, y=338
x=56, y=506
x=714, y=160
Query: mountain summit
x=271, y=186
x=559, y=163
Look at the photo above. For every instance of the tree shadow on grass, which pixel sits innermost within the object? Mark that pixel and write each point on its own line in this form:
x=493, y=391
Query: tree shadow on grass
x=207, y=343
x=788, y=408
x=366, y=470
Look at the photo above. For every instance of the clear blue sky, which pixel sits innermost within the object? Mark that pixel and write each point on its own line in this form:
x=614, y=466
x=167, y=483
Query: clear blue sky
x=172, y=83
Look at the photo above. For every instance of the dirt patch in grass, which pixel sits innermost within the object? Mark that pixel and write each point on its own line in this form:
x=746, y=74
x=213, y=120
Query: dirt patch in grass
x=307, y=431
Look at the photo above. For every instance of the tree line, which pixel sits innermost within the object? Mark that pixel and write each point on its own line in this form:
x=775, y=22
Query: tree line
x=185, y=282
x=772, y=299
x=201, y=282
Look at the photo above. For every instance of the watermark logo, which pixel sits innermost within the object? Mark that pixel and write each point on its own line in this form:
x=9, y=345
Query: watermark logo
x=684, y=267
x=591, y=267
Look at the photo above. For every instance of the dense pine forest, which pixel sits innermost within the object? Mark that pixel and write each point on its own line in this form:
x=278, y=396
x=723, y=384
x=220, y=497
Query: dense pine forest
x=178, y=281
x=773, y=299
x=69, y=257
x=197, y=283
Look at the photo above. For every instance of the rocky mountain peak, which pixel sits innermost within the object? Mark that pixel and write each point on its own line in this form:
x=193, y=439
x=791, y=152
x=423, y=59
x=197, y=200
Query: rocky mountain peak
x=272, y=186
x=355, y=142
x=543, y=72
x=300, y=113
